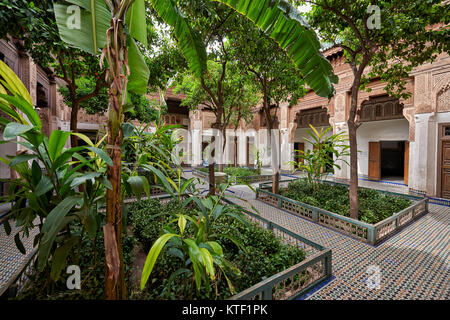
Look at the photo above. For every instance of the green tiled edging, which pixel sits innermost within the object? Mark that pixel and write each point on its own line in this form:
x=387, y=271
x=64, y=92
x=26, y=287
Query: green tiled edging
x=370, y=233
x=246, y=179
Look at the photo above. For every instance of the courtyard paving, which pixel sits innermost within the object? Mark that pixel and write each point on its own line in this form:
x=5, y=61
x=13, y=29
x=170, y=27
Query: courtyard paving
x=414, y=263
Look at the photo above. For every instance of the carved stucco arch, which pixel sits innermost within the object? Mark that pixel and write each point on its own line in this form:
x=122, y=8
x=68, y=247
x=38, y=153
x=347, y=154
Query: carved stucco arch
x=294, y=122
x=441, y=95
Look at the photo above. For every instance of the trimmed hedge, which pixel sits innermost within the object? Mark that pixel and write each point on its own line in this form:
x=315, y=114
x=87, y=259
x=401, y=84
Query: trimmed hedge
x=235, y=171
x=374, y=206
x=265, y=254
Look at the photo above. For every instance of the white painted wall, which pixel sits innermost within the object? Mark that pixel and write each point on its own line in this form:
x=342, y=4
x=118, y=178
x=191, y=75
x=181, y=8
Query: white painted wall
x=7, y=149
x=388, y=130
x=423, y=172
x=301, y=134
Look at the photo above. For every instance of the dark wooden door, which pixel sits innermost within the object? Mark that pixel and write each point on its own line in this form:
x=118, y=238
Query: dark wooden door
x=247, y=142
x=374, y=161
x=406, y=166
x=299, y=146
x=445, y=169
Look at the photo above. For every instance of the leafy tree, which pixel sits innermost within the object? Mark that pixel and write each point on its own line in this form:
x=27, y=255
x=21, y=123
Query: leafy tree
x=278, y=79
x=140, y=107
x=229, y=94
x=34, y=24
x=215, y=87
x=126, y=72
x=404, y=39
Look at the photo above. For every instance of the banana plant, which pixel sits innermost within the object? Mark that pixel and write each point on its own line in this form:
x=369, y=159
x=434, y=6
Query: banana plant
x=45, y=195
x=112, y=26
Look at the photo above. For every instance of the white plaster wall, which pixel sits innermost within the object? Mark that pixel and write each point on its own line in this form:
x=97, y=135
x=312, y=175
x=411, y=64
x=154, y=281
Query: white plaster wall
x=301, y=134
x=344, y=171
x=6, y=149
x=388, y=130
x=423, y=172
x=196, y=147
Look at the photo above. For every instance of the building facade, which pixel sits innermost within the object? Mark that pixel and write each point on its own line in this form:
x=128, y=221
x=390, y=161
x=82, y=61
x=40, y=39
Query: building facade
x=406, y=141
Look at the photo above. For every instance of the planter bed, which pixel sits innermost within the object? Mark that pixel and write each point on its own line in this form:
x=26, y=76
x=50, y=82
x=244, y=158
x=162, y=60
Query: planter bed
x=293, y=281
x=203, y=173
x=371, y=233
x=289, y=282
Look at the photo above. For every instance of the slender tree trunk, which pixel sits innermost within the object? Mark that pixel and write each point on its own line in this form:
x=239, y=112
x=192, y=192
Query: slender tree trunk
x=212, y=177
x=224, y=141
x=235, y=149
x=74, y=122
x=270, y=122
x=115, y=287
x=352, y=126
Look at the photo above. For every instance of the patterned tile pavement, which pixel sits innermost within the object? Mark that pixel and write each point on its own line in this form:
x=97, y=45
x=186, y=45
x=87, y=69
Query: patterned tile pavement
x=414, y=264
x=12, y=261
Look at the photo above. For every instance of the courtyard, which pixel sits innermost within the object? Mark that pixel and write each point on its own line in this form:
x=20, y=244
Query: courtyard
x=224, y=151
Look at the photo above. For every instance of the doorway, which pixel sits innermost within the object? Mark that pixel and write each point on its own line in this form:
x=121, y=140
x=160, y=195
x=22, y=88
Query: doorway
x=444, y=162
x=389, y=160
x=298, y=147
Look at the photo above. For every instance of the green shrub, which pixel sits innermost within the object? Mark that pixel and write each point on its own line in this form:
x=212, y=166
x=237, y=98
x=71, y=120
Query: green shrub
x=240, y=172
x=374, y=206
x=264, y=255
x=91, y=260
x=235, y=171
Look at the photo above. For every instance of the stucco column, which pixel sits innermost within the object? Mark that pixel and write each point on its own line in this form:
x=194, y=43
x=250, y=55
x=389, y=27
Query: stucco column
x=344, y=172
x=196, y=135
x=286, y=149
x=196, y=132
x=242, y=147
x=420, y=161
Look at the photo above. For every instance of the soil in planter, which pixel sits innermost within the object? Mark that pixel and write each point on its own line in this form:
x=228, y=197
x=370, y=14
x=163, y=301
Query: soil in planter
x=374, y=206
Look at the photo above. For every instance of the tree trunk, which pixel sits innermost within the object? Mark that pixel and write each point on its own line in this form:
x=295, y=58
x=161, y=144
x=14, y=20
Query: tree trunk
x=224, y=141
x=276, y=183
x=353, y=170
x=352, y=126
x=113, y=290
x=270, y=122
x=212, y=177
x=235, y=150
x=115, y=287
x=74, y=123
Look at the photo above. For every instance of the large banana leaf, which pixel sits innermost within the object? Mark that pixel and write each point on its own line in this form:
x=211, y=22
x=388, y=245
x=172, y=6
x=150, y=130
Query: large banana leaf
x=284, y=24
x=90, y=34
x=139, y=73
x=189, y=41
x=95, y=19
x=136, y=21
